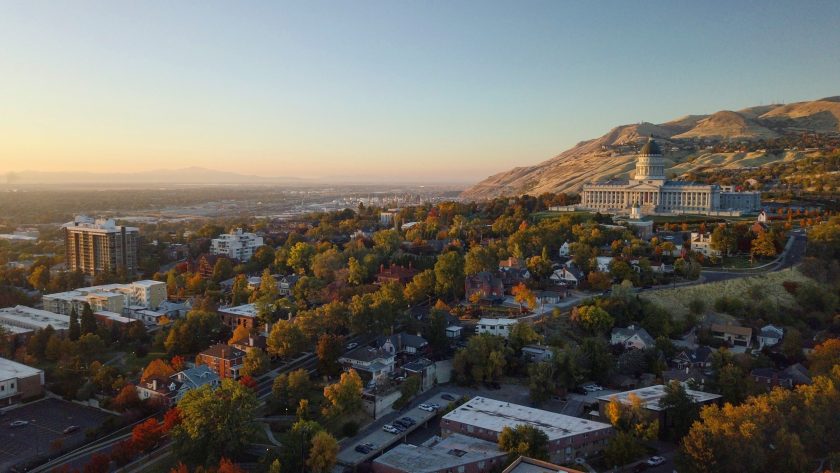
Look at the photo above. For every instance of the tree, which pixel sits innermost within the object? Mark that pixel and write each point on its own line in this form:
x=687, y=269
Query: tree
x=126, y=399
x=482, y=360
x=449, y=275
x=357, y=273
x=39, y=278
x=241, y=332
x=223, y=269
x=227, y=466
x=523, y=295
x=524, y=440
x=596, y=360
x=421, y=287
x=286, y=339
x=598, y=280
x=289, y=389
x=90, y=347
x=255, y=362
x=323, y=453
x=328, y=350
x=521, y=334
x=345, y=395
x=825, y=357
x=408, y=389
x=88, y=322
x=435, y=334
x=99, y=463
x=480, y=258
x=75, y=330
x=724, y=240
x=239, y=290
x=146, y=435
x=123, y=453
x=763, y=245
x=387, y=241
x=157, y=369
x=300, y=256
x=592, y=318
x=214, y=423
x=541, y=381
x=681, y=409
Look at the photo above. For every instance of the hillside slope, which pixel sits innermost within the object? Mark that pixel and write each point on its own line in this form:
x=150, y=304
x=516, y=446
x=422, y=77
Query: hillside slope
x=686, y=142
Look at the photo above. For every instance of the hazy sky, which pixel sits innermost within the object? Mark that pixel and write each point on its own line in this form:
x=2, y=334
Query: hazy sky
x=389, y=89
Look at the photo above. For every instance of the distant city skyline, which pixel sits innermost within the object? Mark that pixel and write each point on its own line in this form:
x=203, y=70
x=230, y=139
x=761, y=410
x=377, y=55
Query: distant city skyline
x=378, y=90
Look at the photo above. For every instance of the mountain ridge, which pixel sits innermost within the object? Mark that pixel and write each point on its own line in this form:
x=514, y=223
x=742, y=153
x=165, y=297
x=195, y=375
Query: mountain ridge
x=685, y=140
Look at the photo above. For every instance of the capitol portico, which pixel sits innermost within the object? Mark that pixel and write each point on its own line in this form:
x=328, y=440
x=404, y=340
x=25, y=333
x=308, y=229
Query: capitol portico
x=654, y=194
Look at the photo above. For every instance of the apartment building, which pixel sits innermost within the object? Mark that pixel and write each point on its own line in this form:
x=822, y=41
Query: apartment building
x=97, y=246
x=122, y=299
x=238, y=245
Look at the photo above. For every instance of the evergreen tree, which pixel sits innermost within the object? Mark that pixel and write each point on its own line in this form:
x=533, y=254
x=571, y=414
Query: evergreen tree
x=88, y=322
x=75, y=330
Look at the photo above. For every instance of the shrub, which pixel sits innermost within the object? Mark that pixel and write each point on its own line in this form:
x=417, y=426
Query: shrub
x=350, y=429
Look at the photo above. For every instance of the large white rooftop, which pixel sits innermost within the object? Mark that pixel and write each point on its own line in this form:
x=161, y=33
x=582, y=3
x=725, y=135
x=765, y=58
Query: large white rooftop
x=28, y=318
x=11, y=369
x=494, y=415
x=440, y=454
x=651, y=395
x=248, y=310
x=486, y=321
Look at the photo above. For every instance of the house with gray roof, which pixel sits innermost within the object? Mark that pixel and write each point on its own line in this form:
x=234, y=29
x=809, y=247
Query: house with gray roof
x=632, y=337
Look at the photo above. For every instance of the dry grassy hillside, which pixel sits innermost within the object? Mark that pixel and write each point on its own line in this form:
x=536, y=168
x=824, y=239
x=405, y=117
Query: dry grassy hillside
x=613, y=154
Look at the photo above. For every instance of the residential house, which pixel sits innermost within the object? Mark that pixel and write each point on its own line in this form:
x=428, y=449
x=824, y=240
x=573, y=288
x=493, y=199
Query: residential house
x=395, y=273
x=369, y=362
x=402, y=343
x=569, y=274
x=632, y=337
x=484, y=285
x=250, y=342
x=565, y=249
x=286, y=284
x=537, y=353
x=500, y=327
x=195, y=377
x=769, y=336
x=245, y=314
x=454, y=332
x=425, y=369
x=603, y=263
x=700, y=357
x=553, y=296
x=734, y=335
x=790, y=377
x=163, y=391
x=702, y=243
x=225, y=360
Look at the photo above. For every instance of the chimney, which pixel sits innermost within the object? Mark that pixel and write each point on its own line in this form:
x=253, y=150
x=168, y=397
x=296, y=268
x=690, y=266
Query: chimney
x=154, y=384
x=251, y=341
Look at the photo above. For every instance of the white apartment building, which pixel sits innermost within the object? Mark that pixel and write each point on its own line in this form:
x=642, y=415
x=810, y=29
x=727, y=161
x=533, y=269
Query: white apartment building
x=236, y=245
x=117, y=298
x=23, y=320
x=500, y=327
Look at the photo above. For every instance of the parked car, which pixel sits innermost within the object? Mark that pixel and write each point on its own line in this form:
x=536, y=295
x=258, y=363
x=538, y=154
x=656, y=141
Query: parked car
x=655, y=461
x=19, y=423
x=71, y=429
x=427, y=407
x=351, y=346
x=434, y=405
x=361, y=448
x=390, y=429
x=400, y=424
x=448, y=397
x=408, y=420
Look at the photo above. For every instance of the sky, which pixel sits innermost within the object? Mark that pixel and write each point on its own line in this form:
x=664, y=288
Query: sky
x=448, y=91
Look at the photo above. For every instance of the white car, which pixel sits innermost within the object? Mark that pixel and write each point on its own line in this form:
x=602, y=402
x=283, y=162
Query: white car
x=427, y=407
x=351, y=346
x=19, y=423
x=592, y=388
x=390, y=429
x=655, y=461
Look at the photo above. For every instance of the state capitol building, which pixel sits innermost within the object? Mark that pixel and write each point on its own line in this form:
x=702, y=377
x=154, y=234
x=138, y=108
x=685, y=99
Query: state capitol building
x=653, y=194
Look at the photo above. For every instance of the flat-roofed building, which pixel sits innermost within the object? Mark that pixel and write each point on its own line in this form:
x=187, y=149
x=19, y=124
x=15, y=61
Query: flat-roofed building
x=238, y=245
x=239, y=315
x=532, y=465
x=118, y=298
x=500, y=327
x=22, y=320
x=568, y=437
x=442, y=455
x=19, y=382
x=100, y=246
x=650, y=397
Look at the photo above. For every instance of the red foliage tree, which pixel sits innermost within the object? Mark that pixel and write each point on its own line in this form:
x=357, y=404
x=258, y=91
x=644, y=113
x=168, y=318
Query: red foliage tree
x=248, y=382
x=126, y=399
x=146, y=435
x=181, y=468
x=123, y=453
x=171, y=419
x=177, y=363
x=99, y=463
x=227, y=466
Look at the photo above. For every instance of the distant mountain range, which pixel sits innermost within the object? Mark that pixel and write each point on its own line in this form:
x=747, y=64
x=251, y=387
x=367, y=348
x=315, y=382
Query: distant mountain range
x=190, y=175
x=686, y=141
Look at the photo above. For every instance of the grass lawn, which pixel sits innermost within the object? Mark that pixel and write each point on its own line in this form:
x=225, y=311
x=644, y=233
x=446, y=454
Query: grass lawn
x=537, y=216
x=676, y=300
x=741, y=262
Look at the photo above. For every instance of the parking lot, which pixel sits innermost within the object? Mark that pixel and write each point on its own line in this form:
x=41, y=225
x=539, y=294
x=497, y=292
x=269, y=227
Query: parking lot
x=380, y=439
x=47, y=420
